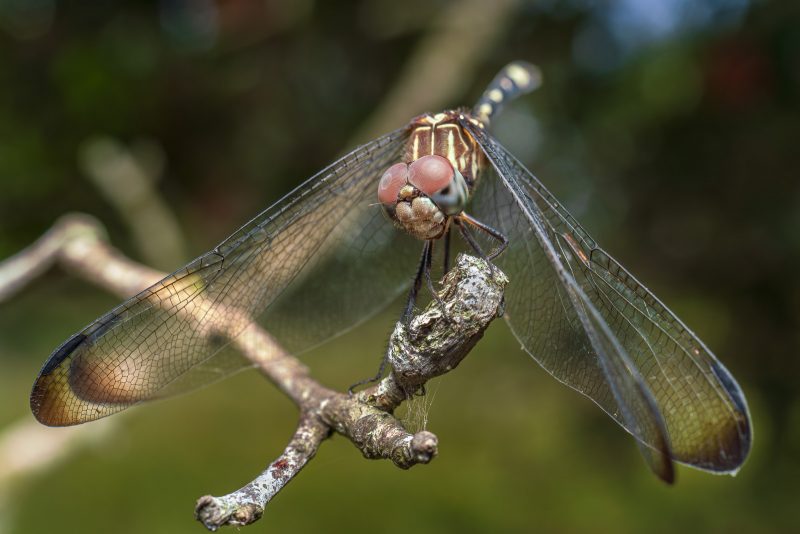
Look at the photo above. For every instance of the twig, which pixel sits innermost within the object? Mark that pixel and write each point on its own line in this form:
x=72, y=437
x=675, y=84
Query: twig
x=432, y=344
x=127, y=178
x=246, y=505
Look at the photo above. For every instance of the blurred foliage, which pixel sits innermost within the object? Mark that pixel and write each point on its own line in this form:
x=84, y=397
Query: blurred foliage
x=667, y=126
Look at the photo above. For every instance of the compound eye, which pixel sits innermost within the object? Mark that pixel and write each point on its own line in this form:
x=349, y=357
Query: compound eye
x=430, y=174
x=453, y=198
x=391, y=182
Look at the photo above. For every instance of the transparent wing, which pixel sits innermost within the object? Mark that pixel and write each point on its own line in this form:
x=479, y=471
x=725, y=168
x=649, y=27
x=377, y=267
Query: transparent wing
x=591, y=324
x=311, y=266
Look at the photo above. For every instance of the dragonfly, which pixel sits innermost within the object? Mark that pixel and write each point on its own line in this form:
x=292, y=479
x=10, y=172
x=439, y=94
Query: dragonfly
x=327, y=256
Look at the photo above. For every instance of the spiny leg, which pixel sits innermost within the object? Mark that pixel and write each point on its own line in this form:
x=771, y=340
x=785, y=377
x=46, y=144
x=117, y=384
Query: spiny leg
x=412, y=295
x=378, y=375
x=468, y=237
x=429, y=281
x=489, y=230
x=422, y=271
x=447, y=250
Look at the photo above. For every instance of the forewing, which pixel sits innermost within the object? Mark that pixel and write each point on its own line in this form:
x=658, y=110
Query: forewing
x=324, y=256
x=591, y=324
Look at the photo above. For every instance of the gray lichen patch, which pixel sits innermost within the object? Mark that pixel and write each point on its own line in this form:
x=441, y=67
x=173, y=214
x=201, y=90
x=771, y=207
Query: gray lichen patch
x=436, y=340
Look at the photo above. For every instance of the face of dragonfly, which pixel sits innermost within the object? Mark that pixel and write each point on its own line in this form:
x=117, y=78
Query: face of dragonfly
x=325, y=258
x=422, y=196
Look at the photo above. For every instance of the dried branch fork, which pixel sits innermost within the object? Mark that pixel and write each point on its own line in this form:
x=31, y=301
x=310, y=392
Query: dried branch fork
x=433, y=343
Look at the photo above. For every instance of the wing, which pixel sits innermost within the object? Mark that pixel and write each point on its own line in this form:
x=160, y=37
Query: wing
x=309, y=267
x=591, y=324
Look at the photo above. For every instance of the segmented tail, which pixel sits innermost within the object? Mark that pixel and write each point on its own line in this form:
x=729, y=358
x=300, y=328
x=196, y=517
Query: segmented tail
x=516, y=79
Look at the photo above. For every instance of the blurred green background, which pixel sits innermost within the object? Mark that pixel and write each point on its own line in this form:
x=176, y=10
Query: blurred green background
x=668, y=127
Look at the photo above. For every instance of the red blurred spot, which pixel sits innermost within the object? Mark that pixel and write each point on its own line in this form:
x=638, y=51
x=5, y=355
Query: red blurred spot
x=738, y=75
x=281, y=464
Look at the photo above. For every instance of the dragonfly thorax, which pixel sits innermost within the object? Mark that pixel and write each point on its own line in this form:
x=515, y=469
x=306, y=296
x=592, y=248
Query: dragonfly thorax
x=421, y=197
x=441, y=134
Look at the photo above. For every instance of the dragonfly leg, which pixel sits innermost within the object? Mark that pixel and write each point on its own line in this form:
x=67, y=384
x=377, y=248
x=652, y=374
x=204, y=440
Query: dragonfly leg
x=447, y=250
x=470, y=239
x=489, y=230
x=412, y=295
x=378, y=375
x=423, y=271
x=429, y=282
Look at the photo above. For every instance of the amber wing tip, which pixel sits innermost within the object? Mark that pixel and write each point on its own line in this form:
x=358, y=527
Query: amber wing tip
x=49, y=398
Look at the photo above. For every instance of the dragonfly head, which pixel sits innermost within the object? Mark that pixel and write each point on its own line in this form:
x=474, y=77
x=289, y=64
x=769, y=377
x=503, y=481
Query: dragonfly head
x=422, y=196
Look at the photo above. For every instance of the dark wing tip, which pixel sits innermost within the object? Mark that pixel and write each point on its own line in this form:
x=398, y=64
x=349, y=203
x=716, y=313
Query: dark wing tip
x=661, y=462
x=48, y=398
x=61, y=353
x=735, y=445
x=69, y=390
x=658, y=453
x=728, y=438
x=668, y=474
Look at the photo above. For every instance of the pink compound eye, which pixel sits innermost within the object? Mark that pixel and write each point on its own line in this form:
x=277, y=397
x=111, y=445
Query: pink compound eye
x=391, y=182
x=430, y=174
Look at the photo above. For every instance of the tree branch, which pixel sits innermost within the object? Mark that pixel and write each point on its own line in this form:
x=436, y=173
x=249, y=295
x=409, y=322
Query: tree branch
x=433, y=343
x=246, y=505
